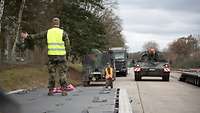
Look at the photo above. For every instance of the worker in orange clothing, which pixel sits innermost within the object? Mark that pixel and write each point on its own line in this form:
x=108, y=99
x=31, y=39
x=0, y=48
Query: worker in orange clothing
x=109, y=76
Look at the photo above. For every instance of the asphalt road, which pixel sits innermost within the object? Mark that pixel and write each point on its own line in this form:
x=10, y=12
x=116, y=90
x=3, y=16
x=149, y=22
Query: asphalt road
x=155, y=96
x=148, y=96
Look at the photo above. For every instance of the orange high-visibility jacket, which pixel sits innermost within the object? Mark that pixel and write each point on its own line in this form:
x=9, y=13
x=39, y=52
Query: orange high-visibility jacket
x=109, y=75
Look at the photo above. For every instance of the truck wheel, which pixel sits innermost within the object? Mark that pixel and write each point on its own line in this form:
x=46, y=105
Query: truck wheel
x=137, y=77
x=165, y=78
x=182, y=79
x=125, y=74
x=86, y=83
x=198, y=82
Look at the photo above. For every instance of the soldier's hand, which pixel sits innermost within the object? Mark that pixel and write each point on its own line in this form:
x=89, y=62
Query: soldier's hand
x=24, y=35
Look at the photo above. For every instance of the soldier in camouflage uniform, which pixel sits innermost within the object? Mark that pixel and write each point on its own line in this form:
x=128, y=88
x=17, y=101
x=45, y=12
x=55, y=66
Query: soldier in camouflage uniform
x=58, y=50
x=150, y=55
x=20, y=48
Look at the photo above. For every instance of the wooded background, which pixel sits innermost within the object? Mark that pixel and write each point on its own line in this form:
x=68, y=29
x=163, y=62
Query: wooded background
x=183, y=52
x=89, y=24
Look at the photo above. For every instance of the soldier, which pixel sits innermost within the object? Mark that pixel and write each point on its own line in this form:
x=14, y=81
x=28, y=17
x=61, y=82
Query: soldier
x=21, y=47
x=150, y=55
x=109, y=76
x=58, y=50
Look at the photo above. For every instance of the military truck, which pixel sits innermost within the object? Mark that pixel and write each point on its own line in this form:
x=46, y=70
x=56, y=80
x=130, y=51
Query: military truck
x=119, y=58
x=94, y=65
x=152, y=66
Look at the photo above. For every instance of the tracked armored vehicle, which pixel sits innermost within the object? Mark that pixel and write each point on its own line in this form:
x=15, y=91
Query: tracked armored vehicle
x=152, y=66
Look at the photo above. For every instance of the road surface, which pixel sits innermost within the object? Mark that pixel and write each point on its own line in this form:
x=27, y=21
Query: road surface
x=148, y=96
x=82, y=100
x=156, y=96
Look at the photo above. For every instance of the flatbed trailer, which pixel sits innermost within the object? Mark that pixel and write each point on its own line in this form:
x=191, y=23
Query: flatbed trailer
x=81, y=100
x=191, y=77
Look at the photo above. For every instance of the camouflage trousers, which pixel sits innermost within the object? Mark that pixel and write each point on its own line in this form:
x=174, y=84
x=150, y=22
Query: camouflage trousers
x=109, y=82
x=57, y=69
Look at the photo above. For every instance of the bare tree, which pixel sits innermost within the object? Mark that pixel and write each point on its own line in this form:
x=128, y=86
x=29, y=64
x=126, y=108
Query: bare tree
x=113, y=29
x=151, y=44
x=18, y=28
x=184, y=46
x=1, y=14
x=1, y=11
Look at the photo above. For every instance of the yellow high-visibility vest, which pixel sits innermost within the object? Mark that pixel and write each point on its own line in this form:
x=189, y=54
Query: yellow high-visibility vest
x=56, y=45
x=109, y=75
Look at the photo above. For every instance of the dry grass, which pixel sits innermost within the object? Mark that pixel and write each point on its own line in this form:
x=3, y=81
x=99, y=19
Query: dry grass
x=28, y=77
x=77, y=67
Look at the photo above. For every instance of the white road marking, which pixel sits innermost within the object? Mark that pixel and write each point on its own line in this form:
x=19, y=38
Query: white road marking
x=16, y=91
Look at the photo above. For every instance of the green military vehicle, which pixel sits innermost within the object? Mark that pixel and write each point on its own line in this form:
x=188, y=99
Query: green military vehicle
x=152, y=65
x=94, y=65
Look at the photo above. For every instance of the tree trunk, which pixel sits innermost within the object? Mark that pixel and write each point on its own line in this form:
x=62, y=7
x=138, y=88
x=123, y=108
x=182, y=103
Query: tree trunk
x=1, y=11
x=1, y=14
x=18, y=28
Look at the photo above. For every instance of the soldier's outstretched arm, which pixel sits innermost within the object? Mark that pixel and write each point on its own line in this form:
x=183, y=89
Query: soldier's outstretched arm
x=38, y=36
x=29, y=38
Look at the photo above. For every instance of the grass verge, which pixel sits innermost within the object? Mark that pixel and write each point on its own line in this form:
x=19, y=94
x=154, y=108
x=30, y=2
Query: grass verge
x=28, y=77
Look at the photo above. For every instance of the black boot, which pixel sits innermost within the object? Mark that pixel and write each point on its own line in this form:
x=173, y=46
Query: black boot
x=63, y=88
x=64, y=91
x=50, y=93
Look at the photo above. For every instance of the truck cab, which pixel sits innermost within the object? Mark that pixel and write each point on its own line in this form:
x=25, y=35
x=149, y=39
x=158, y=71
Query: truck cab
x=119, y=59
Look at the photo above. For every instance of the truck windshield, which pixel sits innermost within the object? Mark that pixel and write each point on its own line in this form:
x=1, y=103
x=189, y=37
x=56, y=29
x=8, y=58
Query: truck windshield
x=119, y=55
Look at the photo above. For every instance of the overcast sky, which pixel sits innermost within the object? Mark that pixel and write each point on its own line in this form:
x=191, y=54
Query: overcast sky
x=161, y=21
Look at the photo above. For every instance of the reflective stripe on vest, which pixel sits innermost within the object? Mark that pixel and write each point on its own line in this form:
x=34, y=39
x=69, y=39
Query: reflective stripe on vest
x=55, y=42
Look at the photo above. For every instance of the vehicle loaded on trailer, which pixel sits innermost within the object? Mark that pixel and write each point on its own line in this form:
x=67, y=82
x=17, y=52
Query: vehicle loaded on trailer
x=191, y=76
x=152, y=64
x=94, y=65
x=119, y=58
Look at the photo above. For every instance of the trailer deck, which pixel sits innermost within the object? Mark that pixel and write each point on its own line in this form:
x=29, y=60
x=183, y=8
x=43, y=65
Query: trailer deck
x=81, y=100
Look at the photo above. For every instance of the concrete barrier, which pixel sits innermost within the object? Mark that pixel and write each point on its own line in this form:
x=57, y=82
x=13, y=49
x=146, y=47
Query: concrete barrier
x=124, y=103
